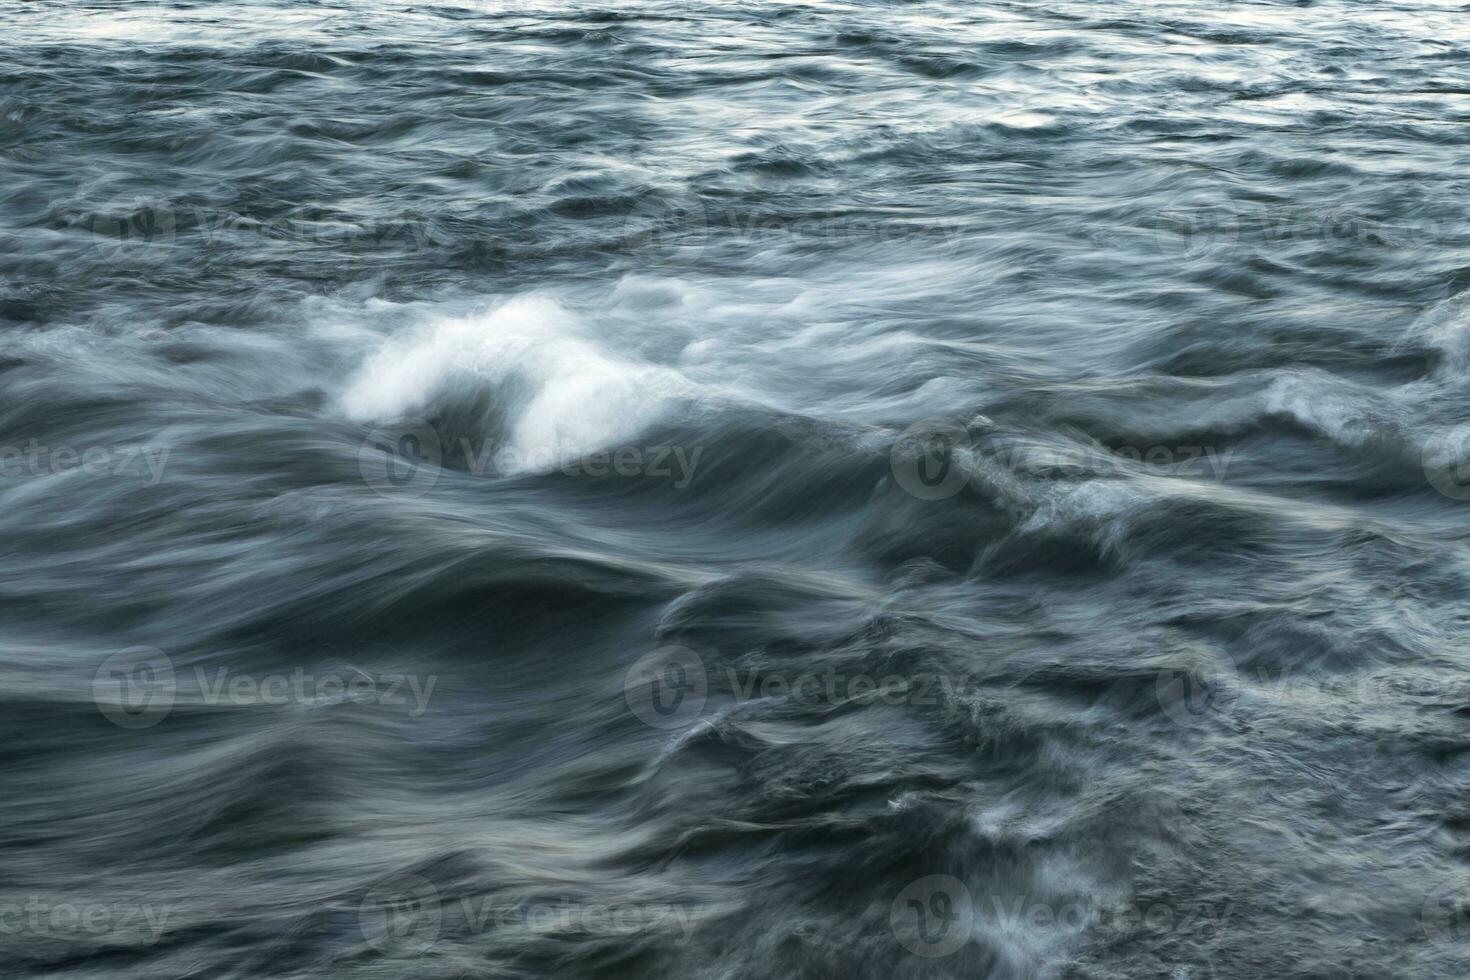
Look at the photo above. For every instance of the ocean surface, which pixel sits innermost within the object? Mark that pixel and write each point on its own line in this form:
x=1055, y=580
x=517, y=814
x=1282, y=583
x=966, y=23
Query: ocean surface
x=719, y=490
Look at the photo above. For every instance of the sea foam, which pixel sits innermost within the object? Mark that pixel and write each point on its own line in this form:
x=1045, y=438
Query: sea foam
x=562, y=394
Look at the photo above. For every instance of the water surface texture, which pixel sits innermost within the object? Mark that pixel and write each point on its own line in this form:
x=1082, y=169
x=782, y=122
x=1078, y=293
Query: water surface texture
x=734, y=490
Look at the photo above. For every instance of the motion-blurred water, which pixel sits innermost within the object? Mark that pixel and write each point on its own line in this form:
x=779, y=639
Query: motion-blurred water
x=734, y=489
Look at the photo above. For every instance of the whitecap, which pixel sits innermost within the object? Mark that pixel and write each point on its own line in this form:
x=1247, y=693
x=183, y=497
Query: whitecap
x=563, y=395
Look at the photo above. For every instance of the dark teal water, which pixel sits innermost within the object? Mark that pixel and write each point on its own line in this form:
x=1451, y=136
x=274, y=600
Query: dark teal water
x=734, y=490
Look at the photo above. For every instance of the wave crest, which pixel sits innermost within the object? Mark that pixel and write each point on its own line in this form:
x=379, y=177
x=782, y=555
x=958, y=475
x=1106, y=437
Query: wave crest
x=526, y=368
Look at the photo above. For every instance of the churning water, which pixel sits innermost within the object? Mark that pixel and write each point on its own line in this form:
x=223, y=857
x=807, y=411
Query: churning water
x=734, y=489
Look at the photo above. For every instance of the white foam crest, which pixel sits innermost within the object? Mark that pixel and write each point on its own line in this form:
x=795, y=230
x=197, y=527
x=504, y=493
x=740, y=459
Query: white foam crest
x=581, y=398
x=1106, y=507
x=1446, y=327
x=1329, y=406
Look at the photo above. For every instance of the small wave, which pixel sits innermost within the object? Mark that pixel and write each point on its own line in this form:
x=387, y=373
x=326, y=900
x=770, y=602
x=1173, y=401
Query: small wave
x=562, y=395
x=1444, y=327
